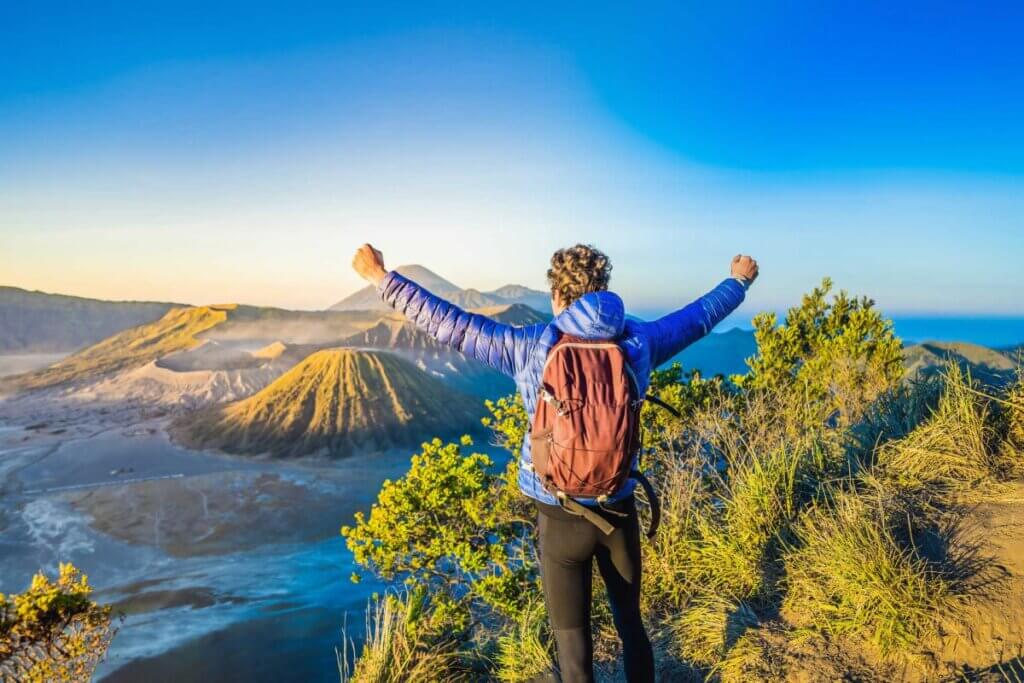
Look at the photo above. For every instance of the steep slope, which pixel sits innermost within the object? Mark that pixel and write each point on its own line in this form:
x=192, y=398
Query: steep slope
x=38, y=322
x=176, y=331
x=336, y=401
x=181, y=330
x=986, y=365
x=458, y=371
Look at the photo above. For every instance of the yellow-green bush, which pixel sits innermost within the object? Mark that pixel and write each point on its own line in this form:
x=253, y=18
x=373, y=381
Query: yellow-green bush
x=453, y=524
x=53, y=631
x=829, y=358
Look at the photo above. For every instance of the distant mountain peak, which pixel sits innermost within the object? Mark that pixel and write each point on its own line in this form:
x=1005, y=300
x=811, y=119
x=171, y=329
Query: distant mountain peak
x=428, y=278
x=368, y=299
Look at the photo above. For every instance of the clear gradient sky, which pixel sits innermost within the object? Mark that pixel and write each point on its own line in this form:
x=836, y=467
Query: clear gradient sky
x=213, y=152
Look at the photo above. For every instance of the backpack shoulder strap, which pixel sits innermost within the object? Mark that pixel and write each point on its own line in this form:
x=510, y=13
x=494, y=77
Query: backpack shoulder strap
x=652, y=500
x=658, y=402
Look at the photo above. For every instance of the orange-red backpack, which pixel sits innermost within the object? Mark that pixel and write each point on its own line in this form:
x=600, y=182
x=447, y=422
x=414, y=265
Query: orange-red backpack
x=586, y=430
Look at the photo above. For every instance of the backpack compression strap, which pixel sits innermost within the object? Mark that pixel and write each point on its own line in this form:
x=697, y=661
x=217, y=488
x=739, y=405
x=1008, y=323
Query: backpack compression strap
x=574, y=507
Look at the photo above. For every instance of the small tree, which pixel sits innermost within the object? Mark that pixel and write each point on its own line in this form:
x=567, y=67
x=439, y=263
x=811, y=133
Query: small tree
x=831, y=357
x=53, y=631
x=455, y=526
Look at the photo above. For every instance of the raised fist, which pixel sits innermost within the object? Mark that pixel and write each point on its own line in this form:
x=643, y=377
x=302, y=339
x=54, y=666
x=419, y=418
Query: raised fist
x=744, y=267
x=369, y=263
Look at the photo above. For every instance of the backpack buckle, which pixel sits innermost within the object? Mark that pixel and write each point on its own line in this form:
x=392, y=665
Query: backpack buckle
x=549, y=398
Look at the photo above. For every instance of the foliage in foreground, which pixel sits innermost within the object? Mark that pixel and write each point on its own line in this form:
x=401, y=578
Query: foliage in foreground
x=53, y=631
x=809, y=500
x=403, y=643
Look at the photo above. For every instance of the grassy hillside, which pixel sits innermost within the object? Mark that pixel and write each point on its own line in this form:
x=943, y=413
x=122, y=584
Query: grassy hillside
x=38, y=322
x=177, y=331
x=986, y=365
x=820, y=522
x=183, y=329
x=339, y=400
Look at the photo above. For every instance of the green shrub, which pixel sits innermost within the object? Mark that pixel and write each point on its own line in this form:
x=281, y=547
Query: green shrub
x=831, y=359
x=452, y=524
x=508, y=422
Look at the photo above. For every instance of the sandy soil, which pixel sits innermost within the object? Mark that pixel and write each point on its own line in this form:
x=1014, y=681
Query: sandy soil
x=986, y=645
x=210, y=514
x=994, y=628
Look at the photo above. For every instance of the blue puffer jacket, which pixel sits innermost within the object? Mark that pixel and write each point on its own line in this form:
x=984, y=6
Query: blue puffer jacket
x=520, y=352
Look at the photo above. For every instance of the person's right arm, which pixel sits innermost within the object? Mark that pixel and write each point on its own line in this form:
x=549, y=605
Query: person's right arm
x=503, y=347
x=674, y=332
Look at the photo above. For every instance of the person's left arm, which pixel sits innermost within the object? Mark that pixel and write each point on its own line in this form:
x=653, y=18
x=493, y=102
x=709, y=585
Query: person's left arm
x=674, y=332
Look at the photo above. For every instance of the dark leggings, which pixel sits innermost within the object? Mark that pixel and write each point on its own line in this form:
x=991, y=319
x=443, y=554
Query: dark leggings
x=568, y=545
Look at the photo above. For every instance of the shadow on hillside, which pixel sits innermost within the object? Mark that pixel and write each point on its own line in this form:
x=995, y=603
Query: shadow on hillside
x=1002, y=671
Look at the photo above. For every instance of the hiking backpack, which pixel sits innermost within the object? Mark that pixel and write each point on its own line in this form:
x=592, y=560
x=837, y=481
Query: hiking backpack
x=586, y=429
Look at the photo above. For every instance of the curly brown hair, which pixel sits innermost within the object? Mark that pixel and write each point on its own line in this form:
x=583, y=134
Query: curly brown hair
x=578, y=270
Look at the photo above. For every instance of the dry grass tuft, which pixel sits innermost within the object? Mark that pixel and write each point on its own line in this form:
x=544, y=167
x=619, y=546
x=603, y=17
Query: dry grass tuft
x=850, y=572
x=524, y=650
x=751, y=658
x=709, y=627
x=397, y=650
x=949, y=454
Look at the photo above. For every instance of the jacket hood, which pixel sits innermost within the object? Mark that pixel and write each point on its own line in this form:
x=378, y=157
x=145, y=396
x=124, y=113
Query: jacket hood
x=597, y=315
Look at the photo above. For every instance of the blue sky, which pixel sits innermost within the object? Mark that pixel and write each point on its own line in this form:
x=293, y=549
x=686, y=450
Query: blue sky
x=240, y=152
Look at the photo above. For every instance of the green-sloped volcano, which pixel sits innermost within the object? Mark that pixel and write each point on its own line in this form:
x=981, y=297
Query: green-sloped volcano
x=336, y=401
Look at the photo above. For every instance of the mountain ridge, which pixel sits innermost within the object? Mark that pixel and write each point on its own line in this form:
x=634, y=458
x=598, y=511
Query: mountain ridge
x=34, y=321
x=368, y=298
